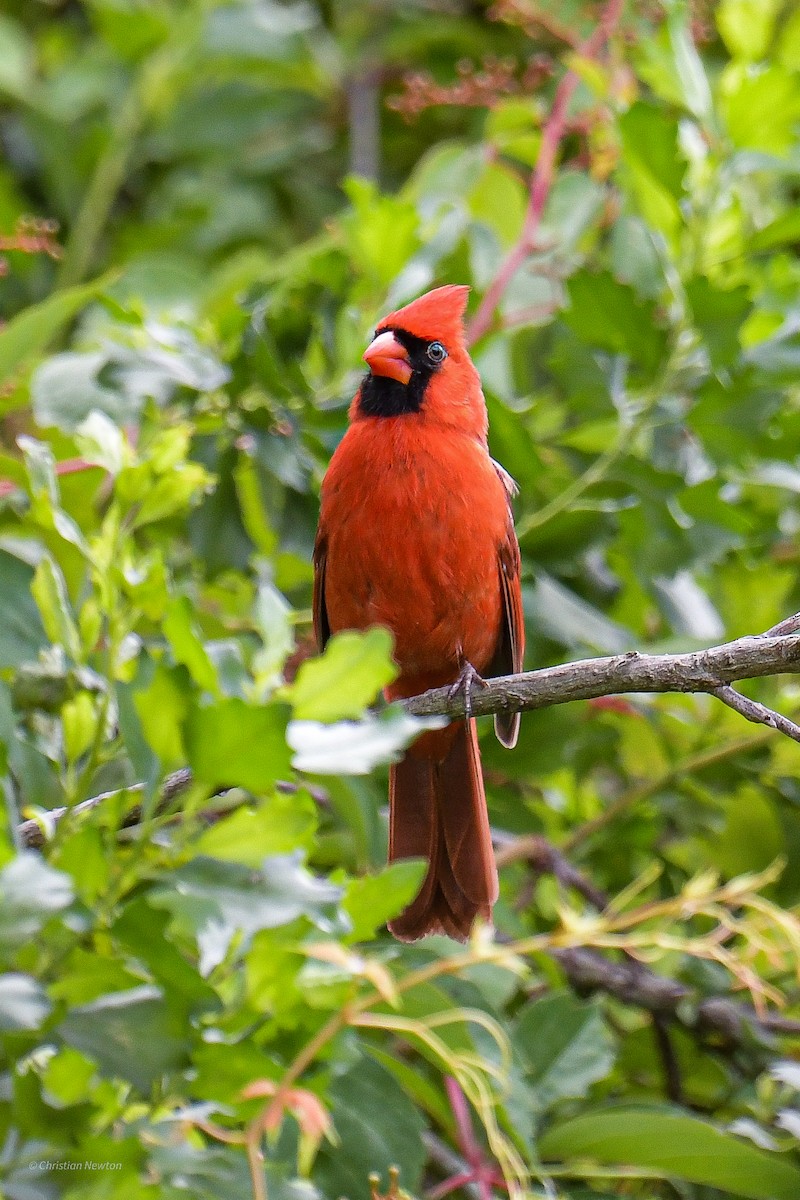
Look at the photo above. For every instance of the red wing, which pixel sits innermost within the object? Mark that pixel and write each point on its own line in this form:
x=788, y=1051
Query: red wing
x=511, y=643
x=322, y=629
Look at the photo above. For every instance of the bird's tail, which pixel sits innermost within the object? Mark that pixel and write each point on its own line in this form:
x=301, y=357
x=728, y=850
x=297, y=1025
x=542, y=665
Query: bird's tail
x=438, y=811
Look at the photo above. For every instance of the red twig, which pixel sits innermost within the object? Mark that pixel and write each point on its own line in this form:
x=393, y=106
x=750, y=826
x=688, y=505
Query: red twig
x=553, y=131
x=70, y=466
x=480, y=1170
x=466, y=1135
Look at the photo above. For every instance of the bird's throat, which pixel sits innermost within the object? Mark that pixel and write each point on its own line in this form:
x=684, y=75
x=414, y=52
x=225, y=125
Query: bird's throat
x=384, y=397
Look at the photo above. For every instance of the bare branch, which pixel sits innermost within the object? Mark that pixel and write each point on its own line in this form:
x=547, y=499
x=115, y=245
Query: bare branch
x=710, y=671
x=631, y=983
x=673, y=1085
x=32, y=833
x=707, y=671
x=759, y=714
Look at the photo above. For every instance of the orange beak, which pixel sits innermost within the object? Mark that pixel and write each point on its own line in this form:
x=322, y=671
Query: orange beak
x=386, y=356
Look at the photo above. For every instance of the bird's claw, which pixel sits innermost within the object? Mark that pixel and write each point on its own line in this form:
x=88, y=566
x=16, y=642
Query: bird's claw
x=467, y=677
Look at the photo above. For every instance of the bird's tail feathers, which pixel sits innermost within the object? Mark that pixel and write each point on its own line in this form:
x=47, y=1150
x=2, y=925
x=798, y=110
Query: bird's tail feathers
x=438, y=812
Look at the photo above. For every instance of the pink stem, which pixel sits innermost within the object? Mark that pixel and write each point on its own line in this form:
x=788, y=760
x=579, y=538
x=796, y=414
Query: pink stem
x=458, y=1102
x=450, y=1184
x=543, y=175
x=481, y=1170
x=70, y=466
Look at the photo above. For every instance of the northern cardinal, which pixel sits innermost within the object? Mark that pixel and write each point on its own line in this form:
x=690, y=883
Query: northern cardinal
x=416, y=534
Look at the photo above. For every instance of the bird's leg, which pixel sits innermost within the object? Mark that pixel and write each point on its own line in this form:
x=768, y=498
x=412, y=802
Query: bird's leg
x=467, y=677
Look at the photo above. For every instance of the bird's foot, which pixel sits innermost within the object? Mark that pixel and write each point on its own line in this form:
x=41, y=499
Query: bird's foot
x=467, y=678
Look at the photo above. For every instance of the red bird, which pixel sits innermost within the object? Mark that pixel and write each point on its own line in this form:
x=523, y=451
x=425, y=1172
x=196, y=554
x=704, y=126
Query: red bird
x=416, y=534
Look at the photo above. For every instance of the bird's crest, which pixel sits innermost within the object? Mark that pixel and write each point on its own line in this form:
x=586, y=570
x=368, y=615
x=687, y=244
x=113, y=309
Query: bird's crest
x=437, y=314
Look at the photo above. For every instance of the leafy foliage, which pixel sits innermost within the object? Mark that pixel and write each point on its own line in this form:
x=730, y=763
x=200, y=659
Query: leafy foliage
x=195, y=976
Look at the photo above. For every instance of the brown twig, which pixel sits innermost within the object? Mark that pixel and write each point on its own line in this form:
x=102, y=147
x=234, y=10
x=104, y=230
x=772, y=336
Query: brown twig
x=553, y=132
x=32, y=834
x=545, y=858
x=673, y=1085
x=759, y=714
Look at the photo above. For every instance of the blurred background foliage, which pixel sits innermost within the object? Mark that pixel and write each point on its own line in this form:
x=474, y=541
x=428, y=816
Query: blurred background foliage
x=204, y=208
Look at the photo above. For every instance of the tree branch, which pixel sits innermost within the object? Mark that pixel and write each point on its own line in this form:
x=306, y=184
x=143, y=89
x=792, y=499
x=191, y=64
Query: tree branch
x=634, y=984
x=32, y=833
x=710, y=671
x=545, y=858
x=759, y=714
x=630, y=981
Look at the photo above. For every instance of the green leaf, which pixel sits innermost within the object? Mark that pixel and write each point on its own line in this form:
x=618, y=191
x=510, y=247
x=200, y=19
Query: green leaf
x=215, y=901
x=142, y=930
x=18, y=60
x=747, y=26
x=281, y=823
x=719, y=315
x=131, y=1035
x=50, y=593
x=210, y=1171
x=41, y=468
x=688, y=65
x=760, y=108
x=784, y=230
x=30, y=893
x=101, y=442
x=233, y=743
x=273, y=619
x=68, y=1077
x=346, y=678
x=373, y=900
x=789, y=48
x=752, y=837
x=680, y=1146
x=571, y=620
x=251, y=505
x=173, y=493
x=564, y=1045
x=382, y=230
x=22, y=635
x=653, y=161
x=499, y=200
x=187, y=645
x=355, y=747
x=79, y=725
x=66, y=391
x=377, y=1126
x=23, y=1003
x=162, y=707
x=610, y=315
x=29, y=333
x=572, y=206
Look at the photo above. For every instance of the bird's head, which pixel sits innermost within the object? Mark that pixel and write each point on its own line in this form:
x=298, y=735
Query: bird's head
x=418, y=362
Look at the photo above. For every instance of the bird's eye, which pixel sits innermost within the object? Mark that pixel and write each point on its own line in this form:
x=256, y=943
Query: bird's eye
x=437, y=352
